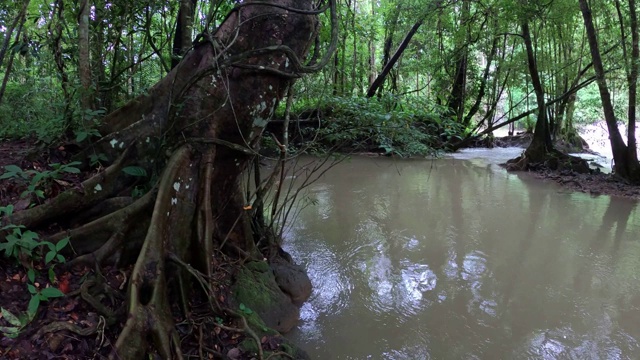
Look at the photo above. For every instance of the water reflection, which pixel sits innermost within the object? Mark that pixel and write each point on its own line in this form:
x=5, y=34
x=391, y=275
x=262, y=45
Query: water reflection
x=458, y=259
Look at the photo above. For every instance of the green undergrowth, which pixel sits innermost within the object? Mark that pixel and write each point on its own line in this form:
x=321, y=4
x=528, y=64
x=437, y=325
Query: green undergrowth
x=386, y=125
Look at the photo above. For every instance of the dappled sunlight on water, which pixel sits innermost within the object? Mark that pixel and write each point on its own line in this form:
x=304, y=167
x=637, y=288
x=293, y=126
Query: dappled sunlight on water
x=458, y=259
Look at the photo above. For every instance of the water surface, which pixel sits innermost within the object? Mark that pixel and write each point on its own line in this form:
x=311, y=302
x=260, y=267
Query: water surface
x=457, y=259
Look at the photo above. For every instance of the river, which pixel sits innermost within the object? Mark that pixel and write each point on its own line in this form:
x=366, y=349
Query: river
x=455, y=258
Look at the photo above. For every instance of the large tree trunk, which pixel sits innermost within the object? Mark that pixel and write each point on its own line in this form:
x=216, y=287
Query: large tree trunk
x=195, y=131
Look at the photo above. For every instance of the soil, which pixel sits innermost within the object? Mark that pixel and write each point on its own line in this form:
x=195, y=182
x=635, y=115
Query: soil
x=31, y=344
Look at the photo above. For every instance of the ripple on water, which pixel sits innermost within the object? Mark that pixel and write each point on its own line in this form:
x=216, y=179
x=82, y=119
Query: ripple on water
x=401, y=289
x=565, y=343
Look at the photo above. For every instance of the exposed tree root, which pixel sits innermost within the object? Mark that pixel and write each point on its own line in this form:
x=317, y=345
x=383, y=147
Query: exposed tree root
x=91, y=192
x=83, y=238
x=552, y=160
x=63, y=325
x=150, y=320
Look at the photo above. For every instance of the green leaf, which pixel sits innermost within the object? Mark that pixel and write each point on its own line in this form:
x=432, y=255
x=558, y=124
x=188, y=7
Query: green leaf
x=52, y=274
x=51, y=292
x=39, y=176
x=71, y=169
x=62, y=243
x=34, y=303
x=8, y=210
x=245, y=309
x=29, y=236
x=11, y=319
x=81, y=135
x=135, y=171
x=60, y=258
x=50, y=255
x=49, y=245
x=13, y=168
x=31, y=274
x=32, y=289
x=10, y=332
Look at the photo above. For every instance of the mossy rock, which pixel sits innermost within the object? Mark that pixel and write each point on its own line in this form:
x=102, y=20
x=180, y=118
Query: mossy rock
x=255, y=290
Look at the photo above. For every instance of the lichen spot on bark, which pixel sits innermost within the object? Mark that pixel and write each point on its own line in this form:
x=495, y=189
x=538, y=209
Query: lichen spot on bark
x=270, y=87
x=148, y=140
x=97, y=188
x=113, y=143
x=174, y=201
x=121, y=145
x=176, y=186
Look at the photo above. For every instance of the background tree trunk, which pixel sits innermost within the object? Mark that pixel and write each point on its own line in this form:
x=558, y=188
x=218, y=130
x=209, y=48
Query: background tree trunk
x=387, y=68
x=84, y=64
x=541, y=142
x=182, y=37
x=625, y=166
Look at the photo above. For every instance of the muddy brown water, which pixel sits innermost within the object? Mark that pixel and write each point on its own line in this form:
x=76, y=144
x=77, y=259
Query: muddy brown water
x=457, y=259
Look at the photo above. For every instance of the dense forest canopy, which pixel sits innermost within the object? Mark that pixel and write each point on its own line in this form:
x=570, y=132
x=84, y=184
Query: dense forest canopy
x=66, y=64
x=163, y=106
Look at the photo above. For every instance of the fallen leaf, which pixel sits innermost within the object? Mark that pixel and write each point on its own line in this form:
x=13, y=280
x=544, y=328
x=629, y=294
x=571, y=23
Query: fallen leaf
x=22, y=204
x=234, y=354
x=64, y=285
x=68, y=347
x=62, y=182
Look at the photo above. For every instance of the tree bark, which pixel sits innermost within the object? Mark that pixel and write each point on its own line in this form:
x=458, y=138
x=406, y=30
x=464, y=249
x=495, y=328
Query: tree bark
x=541, y=142
x=84, y=65
x=182, y=40
x=7, y=72
x=9, y=31
x=633, y=83
x=624, y=165
x=387, y=68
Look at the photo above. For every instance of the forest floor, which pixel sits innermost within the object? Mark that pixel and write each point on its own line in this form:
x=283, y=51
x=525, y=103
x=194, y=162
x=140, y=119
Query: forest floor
x=17, y=289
